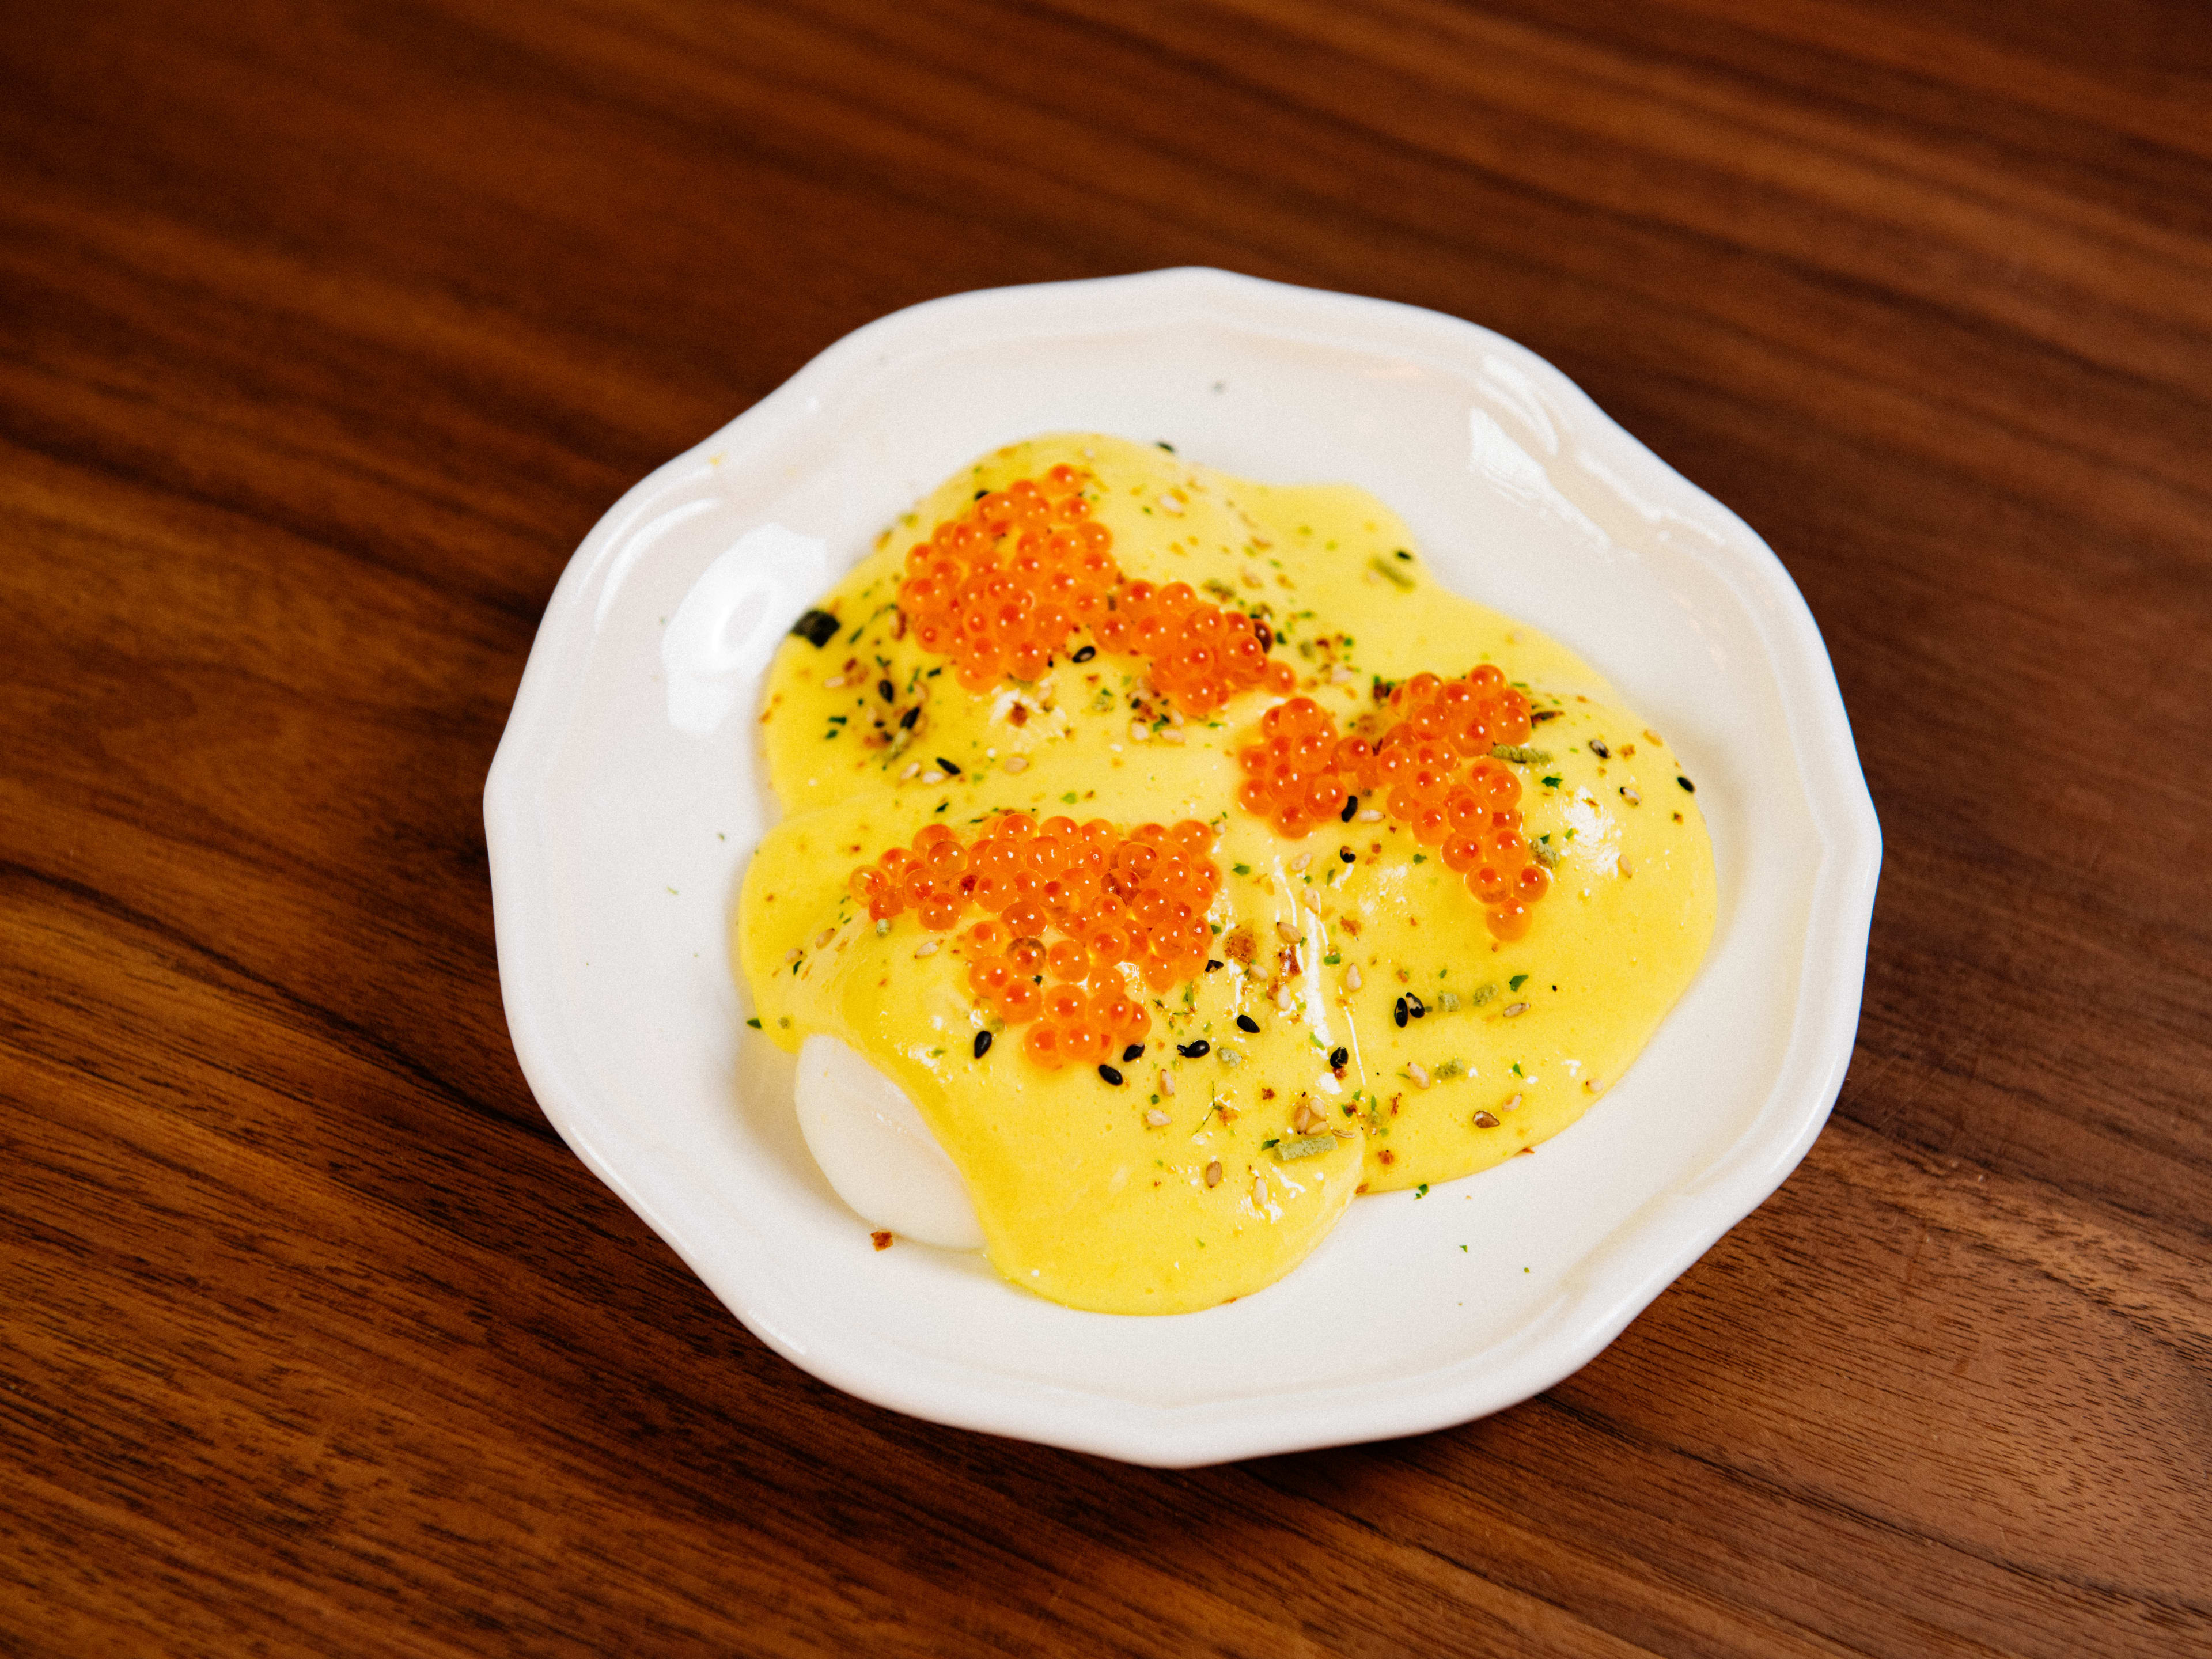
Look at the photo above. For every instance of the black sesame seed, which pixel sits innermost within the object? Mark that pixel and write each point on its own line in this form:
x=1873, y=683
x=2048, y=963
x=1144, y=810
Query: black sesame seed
x=1347, y=855
x=1246, y=1023
x=1134, y=1051
x=817, y=627
x=1194, y=1051
x=907, y=719
x=1351, y=807
x=1598, y=747
x=1110, y=1075
x=1086, y=653
x=1339, y=1056
x=1686, y=783
x=886, y=690
x=1398, y=1013
x=1213, y=965
x=1416, y=1007
x=982, y=1044
x=950, y=768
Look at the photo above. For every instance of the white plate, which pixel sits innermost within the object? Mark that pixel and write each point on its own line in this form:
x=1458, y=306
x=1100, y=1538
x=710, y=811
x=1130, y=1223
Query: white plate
x=628, y=792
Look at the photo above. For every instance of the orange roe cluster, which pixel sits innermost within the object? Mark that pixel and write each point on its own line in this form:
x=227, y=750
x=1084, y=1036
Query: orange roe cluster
x=1200, y=655
x=1065, y=903
x=1431, y=768
x=999, y=588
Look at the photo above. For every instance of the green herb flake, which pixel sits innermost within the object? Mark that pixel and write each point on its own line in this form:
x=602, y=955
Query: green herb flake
x=1516, y=981
x=1290, y=1152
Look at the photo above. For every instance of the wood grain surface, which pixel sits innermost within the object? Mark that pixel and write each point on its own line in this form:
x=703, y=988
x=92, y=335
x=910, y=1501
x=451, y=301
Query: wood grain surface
x=327, y=330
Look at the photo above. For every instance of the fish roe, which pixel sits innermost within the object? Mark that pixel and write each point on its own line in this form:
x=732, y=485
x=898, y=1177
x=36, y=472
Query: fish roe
x=1199, y=656
x=1431, y=768
x=1067, y=908
x=1001, y=588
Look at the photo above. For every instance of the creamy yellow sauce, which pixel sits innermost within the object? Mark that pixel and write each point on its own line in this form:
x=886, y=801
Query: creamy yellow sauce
x=1083, y=1194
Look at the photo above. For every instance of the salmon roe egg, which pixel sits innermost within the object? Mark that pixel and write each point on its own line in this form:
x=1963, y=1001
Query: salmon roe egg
x=1430, y=765
x=1001, y=589
x=1086, y=904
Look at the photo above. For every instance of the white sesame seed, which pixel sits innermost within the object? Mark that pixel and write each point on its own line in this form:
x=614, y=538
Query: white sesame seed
x=824, y=936
x=1516, y=1009
x=1418, y=1073
x=913, y=767
x=1352, y=977
x=836, y=682
x=1369, y=815
x=1139, y=732
x=795, y=956
x=1170, y=734
x=1302, y=861
x=1156, y=1118
x=1259, y=1187
x=1626, y=868
x=927, y=948
x=1213, y=1173
x=1288, y=933
x=932, y=775
x=1511, y=1104
x=1016, y=763
x=1167, y=1081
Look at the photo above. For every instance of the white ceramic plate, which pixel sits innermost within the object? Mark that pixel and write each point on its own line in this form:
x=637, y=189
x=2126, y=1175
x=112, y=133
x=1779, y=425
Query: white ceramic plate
x=628, y=792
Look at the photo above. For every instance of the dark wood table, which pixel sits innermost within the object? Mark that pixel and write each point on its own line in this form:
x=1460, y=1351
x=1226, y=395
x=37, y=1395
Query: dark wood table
x=326, y=333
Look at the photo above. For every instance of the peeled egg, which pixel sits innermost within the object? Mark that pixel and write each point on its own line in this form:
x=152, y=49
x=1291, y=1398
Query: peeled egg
x=877, y=1152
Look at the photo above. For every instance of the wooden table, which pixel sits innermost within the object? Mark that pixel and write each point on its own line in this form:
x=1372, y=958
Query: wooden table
x=327, y=332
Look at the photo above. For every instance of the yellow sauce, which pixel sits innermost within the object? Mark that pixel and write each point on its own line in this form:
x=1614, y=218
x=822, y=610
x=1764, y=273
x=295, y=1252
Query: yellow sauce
x=1080, y=1197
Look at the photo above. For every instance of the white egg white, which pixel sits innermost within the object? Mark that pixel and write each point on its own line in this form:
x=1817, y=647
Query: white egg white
x=876, y=1151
